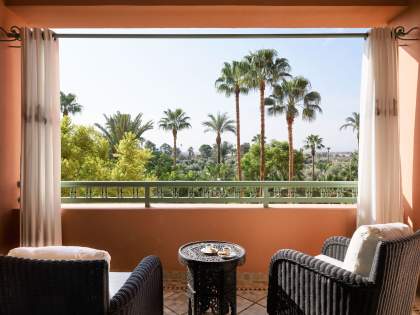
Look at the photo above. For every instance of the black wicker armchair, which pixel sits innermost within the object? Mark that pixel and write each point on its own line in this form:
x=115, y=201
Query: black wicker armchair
x=77, y=287
x=300, y=284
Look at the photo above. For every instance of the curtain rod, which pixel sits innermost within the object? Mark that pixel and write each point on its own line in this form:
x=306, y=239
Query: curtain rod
x=14, y=35
x=215, y=36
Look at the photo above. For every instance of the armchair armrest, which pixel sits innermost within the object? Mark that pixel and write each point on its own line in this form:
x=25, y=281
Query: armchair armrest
x=142, y=293
x=300, y=284
x=336, y=247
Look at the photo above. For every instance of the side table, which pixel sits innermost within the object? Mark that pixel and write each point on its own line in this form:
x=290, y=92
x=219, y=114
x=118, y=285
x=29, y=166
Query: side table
x=211, y=279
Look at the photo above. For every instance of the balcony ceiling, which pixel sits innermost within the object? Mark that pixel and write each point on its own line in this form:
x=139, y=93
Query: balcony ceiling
x=215, y=2
x=206, y=13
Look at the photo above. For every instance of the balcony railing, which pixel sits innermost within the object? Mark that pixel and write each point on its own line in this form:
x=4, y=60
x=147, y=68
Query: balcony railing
x=204, y=192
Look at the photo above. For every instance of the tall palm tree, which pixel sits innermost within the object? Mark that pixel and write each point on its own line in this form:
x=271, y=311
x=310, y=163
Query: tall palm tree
x=289, y=98
x=175, y=121
x=219, y=124
x=353, y=122
x=68, y=104
x=118, y=124
x=313, y=143
x=190, y=153
x=233, y=80
x=265, y=68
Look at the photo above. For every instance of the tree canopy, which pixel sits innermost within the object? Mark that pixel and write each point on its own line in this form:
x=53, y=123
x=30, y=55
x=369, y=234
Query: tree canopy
x=119, y=150
x=117, y=125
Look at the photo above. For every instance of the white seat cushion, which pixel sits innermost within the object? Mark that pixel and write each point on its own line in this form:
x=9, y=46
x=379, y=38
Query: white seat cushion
x=330, y=260
x=362, y=248
x=60, y=253
x=116, y=281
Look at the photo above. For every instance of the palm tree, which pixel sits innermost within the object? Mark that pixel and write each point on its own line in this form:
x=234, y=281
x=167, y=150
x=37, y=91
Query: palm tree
x=313, y=143
x=226, y=149
x=328, y=154
x=68, y=104
x=174, y=121
x=265, y=68
x=353, y=122
x=257, y=139
x=233, y=80
x=118, y=124
x=190, y=153
x=323, y=169
x=219, y=124
x=289, y=98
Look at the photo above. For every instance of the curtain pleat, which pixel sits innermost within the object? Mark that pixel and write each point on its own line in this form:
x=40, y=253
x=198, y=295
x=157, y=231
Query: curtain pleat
x=40, y=157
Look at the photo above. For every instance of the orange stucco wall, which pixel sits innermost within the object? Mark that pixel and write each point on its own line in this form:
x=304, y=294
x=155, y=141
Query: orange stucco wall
x=409, y=91
x=130, y=234
x=208, y=16
x=9, y=135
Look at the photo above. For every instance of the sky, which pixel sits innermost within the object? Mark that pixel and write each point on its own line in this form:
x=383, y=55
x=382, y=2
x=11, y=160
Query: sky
x=151, y=75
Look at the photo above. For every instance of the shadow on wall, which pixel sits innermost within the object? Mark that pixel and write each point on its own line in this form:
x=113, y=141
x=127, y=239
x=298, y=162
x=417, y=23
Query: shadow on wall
x=410, y=130
x=9, y=135
x=409, y=102
x=409, y=59
x=416, y=155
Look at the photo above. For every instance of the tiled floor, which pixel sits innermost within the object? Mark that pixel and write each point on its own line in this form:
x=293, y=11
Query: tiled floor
x=251, y=297
x=249, y=302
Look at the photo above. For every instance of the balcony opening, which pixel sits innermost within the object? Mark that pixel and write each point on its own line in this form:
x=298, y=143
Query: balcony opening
x=155, y=120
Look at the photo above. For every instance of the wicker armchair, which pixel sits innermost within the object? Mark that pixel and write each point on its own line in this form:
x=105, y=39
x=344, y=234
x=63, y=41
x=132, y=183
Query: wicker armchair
x=300, y=284
x=77, y=287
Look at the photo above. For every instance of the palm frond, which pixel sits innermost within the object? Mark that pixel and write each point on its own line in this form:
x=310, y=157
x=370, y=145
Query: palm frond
x=174, y=120
x=118, y=124
x=348, y=125
x=276, y=110
x=267, y=67
x=269, y=101
x=233, y=78
x=219, y=123
x=68, y=104
x=353, y=122
x=313, y=142
x=308, y=114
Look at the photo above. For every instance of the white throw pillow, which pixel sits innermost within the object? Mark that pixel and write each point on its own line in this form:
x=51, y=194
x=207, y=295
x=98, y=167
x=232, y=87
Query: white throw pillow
x=330, y=260
x=61, y=253
x=362, y=248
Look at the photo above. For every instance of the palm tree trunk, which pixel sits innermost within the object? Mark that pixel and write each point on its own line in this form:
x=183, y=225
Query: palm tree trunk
x=174, y=133
x=238, y=137
x=218, y=141
x=262, y=132
x=65, y=112
x=291, y=153
x=313, y=165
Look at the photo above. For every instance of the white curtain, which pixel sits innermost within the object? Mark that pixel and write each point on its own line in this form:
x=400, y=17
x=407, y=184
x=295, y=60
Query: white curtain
x=40, y=157
x=379, y=163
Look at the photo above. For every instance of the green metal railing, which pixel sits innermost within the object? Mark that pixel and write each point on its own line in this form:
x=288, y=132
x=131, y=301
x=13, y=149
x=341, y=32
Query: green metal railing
x=252, y=192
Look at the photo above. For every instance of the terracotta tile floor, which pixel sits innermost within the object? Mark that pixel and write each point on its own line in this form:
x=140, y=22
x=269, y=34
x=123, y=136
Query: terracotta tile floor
x=249, y=302
x=251, y=295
